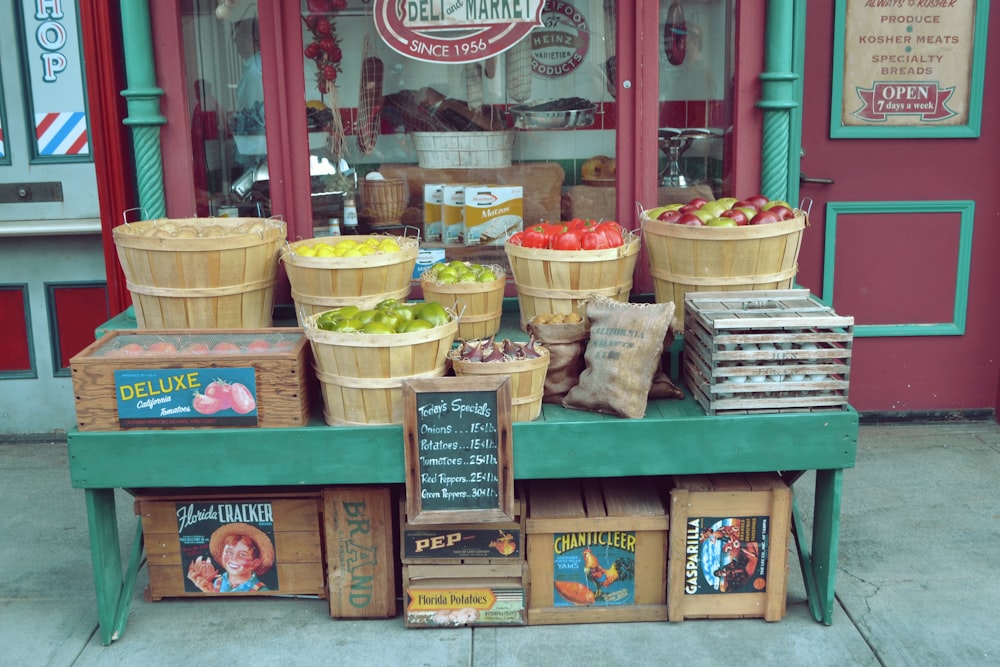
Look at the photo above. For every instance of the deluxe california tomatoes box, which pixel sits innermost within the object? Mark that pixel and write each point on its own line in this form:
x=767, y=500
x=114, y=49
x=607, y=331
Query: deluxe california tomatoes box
x=169, y=379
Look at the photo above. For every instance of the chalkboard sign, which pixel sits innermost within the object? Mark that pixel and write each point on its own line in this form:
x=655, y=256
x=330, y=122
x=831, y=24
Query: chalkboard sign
x=457, y=435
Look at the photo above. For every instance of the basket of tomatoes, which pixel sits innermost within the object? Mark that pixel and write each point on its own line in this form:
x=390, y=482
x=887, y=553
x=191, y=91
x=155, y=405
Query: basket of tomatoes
x=557, y=266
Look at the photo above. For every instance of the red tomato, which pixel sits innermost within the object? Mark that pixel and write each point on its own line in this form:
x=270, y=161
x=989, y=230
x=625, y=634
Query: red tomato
x=242, y=400
x=535, y=237
x=567, y=240
x=226, y=347
x=132, y=350
x=205, y=405
x=161, y=347
x=196, y=348
x=613, y=232
x=259, y=345
x=222, y=392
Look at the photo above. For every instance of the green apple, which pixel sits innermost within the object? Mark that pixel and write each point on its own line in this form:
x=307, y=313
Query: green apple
x=721, y=222
x=714, y=207
x=776, y=202
x=728, y=202
x=703, y=215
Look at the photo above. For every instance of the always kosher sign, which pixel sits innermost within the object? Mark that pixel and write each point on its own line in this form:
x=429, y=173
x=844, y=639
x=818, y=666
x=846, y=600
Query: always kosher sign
x=454, y=31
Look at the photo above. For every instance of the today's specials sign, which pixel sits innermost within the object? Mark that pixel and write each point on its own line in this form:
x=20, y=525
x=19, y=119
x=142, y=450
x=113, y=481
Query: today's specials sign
x=907, y=63
x=457, y=437
x=454, y=31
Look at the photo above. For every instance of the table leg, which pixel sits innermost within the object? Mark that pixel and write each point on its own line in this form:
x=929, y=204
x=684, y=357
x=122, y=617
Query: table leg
x=106, y=557
x=826, y=537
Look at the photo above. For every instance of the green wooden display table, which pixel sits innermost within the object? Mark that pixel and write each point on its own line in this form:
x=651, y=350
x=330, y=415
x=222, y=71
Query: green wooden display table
x=675, y=438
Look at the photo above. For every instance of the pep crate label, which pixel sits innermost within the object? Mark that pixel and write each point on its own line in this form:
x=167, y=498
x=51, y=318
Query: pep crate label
x=726, y=555
x=594, y=569
x=433, y=198
x=493, y=213
x=461, y=543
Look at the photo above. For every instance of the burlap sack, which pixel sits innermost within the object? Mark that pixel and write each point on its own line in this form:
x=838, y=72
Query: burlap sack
x=565, y=343
x=622, y=355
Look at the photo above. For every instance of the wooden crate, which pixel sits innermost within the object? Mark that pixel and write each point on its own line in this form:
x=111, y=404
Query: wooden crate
x=729, y=546
x=454, y=544
x=360, y=554
x=480, y=594
x=149, y=379
x=597, y=551
x=766, y=351
x=186, y=531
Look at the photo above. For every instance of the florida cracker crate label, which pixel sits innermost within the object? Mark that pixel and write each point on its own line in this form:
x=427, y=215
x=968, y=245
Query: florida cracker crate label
x=461, y=543
x=594, y=568
x=227, y=547
x=186, y=397
x=454, y=607
x=726, y=555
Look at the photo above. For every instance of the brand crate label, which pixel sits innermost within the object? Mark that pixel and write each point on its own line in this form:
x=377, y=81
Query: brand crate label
x=726, y=555
x=227, y=547
x=462, y=543
x=486, y=605
x=594, y=568
x=355, y=551
x=186, y=397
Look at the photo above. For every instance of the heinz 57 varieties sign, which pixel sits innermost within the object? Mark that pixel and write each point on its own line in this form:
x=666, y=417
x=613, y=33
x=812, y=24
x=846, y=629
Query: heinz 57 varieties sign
x=454, y=31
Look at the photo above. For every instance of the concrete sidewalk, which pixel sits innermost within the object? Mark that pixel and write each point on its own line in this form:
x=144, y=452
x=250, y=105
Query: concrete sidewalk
x=918, y=529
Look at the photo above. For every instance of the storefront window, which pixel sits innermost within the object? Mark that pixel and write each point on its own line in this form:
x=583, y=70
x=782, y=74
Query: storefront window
x=226, y=96
x=695, y=103
x=541, y=115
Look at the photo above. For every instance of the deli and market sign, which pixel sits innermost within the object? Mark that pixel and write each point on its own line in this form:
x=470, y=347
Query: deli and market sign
x=454, y=31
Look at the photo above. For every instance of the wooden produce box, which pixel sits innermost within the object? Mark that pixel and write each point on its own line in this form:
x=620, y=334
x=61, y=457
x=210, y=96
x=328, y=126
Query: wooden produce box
x=597, y=551
x=453, y=544
x=170, y=379
x=729, y=546
x=443, y=596
x=766, y=351
x=274, y=537
x=360, y=554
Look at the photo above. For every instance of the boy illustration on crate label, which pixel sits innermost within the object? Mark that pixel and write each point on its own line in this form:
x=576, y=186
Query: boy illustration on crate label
x=594, y=568
x=726, y=555
x=227, y=547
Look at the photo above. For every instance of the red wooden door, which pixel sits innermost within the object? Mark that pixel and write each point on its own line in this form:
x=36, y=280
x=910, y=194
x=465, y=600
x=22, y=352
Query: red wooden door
x=905, y=239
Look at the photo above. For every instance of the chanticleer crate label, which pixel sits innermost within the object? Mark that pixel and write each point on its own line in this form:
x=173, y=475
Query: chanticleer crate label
x=227, y=547
x=726, y=555
x=594, y=568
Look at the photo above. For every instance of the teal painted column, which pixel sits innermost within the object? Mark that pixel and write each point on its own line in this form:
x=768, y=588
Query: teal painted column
x=778, y=98
x=143, y=98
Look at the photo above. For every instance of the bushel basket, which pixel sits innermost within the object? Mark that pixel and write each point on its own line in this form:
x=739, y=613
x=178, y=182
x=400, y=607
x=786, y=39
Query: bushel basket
x=708, y=259
x=201, y=273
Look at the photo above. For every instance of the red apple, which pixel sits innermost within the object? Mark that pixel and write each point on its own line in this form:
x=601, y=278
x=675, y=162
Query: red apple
x=764, y=217
x=758, y=200
x=697, y=202
x=746, y=203
x=783, y=212
x=670, y=216
x=688, y=208
x=738, y=215
x=690, y=219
